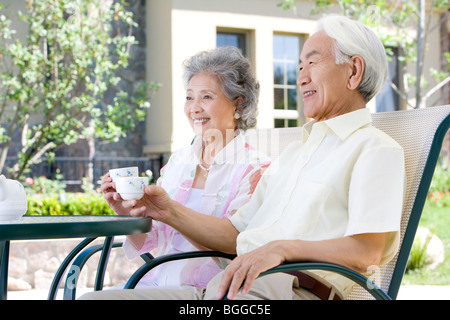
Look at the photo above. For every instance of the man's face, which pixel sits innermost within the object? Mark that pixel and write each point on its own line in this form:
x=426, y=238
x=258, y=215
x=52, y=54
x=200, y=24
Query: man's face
x=322, y=82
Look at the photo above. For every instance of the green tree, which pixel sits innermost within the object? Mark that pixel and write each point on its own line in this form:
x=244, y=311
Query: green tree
x=71, y=55
x=393, y=20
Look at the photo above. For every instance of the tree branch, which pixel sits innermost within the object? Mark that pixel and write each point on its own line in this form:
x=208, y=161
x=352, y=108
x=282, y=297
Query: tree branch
x=436, y=88
x=31, y=160
x=401, y=95
x=25, y=129
x=12, y=128
x=441, y=21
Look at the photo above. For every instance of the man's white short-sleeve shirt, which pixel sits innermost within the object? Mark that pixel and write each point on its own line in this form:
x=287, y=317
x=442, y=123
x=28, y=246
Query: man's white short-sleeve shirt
x=344, y=177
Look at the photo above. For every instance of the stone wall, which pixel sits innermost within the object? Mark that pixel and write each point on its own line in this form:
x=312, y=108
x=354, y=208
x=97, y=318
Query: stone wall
x=33, y=264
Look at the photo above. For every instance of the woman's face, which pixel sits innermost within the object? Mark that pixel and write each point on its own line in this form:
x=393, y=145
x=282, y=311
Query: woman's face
x=209, y=112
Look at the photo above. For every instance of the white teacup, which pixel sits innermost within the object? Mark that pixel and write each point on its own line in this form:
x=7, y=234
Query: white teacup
x=131, y=187
x=124, y=172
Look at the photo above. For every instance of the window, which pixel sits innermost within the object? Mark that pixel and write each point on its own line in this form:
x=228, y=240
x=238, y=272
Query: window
x=235, y=39
x=287, y=104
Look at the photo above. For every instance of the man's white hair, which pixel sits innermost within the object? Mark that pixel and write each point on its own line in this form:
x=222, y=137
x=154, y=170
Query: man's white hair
x=354, y=38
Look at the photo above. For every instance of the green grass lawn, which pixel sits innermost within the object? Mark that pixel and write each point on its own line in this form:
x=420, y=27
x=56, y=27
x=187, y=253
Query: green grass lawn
x=437, y=220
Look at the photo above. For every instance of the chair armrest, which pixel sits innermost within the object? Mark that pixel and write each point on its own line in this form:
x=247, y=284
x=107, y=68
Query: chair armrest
x=134, y=279
x=147, y=257
x=363, y=281
x=78, y=264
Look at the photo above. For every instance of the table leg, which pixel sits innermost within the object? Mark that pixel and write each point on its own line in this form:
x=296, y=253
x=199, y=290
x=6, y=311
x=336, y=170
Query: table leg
x=4, y=257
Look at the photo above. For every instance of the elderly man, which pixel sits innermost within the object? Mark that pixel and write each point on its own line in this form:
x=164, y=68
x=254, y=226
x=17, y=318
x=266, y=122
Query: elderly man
x=335, y=197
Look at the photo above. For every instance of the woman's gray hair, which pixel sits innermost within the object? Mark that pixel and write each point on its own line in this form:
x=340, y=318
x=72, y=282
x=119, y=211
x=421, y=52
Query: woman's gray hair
x=235, y=75
x=354, y=38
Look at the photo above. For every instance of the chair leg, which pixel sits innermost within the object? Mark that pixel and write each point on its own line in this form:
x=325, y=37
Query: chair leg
x=103, y=263
x=78, y=264
x=63, y=267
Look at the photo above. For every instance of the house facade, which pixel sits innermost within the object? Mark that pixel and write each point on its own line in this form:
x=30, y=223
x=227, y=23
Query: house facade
x=269, y=36
x=170, y=31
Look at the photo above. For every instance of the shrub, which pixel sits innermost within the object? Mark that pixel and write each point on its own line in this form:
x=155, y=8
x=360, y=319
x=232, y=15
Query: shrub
x=439, y=199
x=439, y=194
x=418, y=257
x=43, y=185
x=441, y=179
x=73, y=204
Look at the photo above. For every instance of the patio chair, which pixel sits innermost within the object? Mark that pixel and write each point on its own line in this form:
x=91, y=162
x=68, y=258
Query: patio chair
x=421, y=133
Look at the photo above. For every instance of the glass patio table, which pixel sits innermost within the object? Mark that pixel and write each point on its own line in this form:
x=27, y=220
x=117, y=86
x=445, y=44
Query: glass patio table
x=56, y=227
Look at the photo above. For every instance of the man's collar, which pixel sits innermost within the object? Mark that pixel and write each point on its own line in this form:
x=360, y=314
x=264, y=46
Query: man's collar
x=343, y=125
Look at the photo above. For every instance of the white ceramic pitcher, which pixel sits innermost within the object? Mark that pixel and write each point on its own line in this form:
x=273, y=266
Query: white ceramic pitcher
x=13, y=200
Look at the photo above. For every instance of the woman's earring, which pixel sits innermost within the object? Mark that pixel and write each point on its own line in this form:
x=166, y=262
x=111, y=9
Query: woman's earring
x=237, y=115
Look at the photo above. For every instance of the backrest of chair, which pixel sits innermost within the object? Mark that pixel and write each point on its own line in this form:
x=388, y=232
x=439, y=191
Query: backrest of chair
x=420, y=132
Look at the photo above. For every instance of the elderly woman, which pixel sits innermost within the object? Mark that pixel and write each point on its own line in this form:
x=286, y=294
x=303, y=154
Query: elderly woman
x=215, y=175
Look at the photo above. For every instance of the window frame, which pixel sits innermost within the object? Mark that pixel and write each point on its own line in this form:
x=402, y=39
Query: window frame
x=286, y=114
x=245, y=49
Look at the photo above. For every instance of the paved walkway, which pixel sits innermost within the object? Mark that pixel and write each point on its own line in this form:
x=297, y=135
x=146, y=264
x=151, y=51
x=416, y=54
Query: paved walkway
x=415, y=292
x=405, y=293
